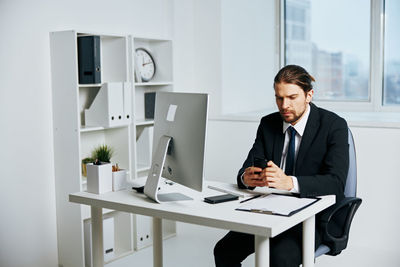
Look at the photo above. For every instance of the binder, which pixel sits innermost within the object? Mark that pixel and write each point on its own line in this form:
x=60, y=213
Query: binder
x=127, y=97
x=111, y=106
x=149, y=105
x=108, y=238
x=115, y=102
x=89, y=59
x=276, y=204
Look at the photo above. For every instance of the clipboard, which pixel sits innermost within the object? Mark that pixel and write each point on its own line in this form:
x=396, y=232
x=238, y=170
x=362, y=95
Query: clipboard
x=277, y=204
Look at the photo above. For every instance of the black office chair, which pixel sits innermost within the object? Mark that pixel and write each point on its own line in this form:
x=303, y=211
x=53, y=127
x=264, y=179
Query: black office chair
x=335, y=240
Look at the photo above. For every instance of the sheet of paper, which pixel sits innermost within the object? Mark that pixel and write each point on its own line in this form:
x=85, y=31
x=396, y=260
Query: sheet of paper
x=277, y=204
x=233, y=189
x=229, y=189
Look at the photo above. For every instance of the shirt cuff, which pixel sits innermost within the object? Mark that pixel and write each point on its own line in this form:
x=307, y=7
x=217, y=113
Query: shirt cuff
x=295, y=188
x=241, y=178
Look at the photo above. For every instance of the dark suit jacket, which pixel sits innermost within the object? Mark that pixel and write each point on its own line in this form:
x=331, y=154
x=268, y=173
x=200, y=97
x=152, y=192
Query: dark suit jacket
x=323, y=157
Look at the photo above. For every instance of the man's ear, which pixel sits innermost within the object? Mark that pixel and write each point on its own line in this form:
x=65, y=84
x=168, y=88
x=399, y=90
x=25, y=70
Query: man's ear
x=309, y=95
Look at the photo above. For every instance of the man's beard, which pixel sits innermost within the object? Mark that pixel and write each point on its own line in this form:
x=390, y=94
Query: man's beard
x=295, y=119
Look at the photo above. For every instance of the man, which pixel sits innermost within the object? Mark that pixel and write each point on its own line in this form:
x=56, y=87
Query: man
x=307, y=152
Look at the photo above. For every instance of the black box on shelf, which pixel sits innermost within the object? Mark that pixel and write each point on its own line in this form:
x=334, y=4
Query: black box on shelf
x=89, y=59
x=149, y=105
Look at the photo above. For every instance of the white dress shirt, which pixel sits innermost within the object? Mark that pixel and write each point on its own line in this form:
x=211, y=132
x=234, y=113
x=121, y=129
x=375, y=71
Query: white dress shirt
x=299, y=127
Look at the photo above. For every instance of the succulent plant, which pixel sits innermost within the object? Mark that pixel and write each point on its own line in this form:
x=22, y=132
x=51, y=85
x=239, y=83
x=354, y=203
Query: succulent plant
x=87, y=160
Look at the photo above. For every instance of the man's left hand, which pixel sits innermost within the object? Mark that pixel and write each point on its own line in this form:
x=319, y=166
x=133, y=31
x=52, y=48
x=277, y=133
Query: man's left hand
x=276, y=178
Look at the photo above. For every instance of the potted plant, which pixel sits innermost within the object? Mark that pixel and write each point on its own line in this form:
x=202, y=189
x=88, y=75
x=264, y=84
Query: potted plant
x=99, y=173
x=118, y=178
x=84, y=162
x=103, y=153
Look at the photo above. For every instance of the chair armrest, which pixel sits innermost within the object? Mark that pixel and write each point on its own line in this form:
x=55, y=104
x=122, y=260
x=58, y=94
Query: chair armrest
x=338, y=243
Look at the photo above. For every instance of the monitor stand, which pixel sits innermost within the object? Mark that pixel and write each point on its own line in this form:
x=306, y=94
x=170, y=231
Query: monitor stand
x=154, y=177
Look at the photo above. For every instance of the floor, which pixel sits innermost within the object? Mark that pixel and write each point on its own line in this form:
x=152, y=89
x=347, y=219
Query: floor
x=192, y=246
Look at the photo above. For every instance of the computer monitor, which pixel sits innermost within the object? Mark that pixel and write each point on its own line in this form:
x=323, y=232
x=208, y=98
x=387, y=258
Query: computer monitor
x=180, y=127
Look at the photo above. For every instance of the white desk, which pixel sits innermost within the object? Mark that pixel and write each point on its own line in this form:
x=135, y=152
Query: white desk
x=221, y=215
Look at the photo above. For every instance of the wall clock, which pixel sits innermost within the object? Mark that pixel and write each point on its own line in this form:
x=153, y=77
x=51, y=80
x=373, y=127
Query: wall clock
x=146, y=64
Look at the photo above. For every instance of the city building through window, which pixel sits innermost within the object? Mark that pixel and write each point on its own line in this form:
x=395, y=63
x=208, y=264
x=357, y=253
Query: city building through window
x=392, y=53
x=331, y=39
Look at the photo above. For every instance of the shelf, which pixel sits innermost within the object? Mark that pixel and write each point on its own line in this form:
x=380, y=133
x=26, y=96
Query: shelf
x=102, y=34
x=133, y=145
x=90, y=85
x=85, y=129
x=142, y=168
x=151, y=39
x=153, y=84
x=145, y=122
x=120, y=256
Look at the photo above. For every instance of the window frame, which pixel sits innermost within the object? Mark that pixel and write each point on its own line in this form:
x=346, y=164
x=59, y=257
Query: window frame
x=376, y=68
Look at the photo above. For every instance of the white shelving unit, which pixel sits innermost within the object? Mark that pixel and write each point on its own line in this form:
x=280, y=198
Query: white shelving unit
x=162, y=81
x=74, y=141
x=161, y=51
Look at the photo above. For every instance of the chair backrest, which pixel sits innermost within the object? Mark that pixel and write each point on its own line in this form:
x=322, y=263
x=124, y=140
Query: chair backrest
x=350, y=189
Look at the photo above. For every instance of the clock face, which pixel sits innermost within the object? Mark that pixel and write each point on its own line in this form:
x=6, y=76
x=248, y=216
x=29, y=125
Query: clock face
x=147, y=66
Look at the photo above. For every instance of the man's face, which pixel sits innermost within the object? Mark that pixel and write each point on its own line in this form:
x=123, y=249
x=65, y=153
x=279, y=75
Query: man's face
x=291, y=101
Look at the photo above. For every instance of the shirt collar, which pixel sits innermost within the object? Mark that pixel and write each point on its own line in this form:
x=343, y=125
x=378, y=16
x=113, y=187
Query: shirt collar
x=301, y=125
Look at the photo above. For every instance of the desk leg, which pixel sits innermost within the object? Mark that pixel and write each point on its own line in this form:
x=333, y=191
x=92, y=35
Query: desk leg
x=157, y=242
x=97, y=237
x=309, y=242
x=262, y=251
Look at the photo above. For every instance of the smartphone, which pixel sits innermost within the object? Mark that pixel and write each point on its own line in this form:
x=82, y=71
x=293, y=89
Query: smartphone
x=260, y=163
x=220, y=198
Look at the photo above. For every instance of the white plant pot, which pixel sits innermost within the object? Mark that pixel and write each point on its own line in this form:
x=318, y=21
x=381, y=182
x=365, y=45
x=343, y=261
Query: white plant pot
x=99, y=178
x=119, y=180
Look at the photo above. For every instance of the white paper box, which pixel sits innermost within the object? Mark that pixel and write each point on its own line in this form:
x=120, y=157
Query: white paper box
x=99, y=178
x=108, y=238
x=111, y=106
x=88, y=242
x=119, y=180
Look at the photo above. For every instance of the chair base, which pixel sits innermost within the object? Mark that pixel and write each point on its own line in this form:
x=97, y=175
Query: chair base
x=321, y=250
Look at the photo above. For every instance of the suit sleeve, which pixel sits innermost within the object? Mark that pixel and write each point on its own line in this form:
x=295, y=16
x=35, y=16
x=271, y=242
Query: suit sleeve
x=257, y=151
x=331, y=178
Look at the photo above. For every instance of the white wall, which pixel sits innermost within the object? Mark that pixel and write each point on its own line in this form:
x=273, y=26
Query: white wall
x=28, y=218
x=248, y=55
x=197, y=49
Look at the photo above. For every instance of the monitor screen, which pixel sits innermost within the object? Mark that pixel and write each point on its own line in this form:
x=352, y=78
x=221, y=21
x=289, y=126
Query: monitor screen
x=180, y=127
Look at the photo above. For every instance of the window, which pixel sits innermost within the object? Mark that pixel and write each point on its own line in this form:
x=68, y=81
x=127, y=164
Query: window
x=331, y=40
x=391, y=75
x=352, y=48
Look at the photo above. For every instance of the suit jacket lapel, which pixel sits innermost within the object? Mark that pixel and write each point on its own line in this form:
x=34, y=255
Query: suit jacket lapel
x=278, y=144
x=308, y=136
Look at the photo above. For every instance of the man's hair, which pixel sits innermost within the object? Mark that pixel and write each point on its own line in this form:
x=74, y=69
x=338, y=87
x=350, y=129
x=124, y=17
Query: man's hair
x=295, y=75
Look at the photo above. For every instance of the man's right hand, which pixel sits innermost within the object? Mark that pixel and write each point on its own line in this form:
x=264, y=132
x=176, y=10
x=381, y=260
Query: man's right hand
x=252, y=177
